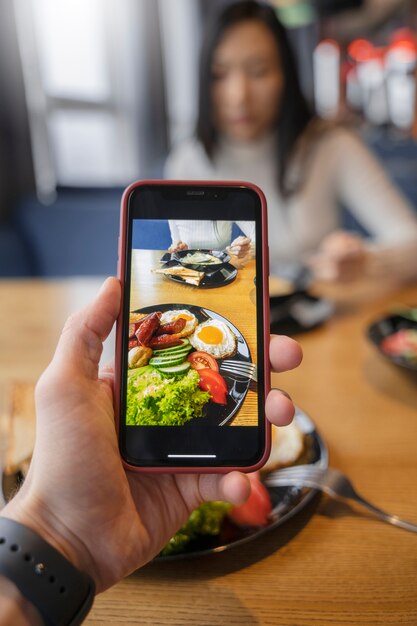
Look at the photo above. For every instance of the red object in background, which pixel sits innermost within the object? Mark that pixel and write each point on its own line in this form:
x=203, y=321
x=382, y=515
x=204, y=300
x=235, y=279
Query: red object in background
x=405, y=38
x=360, y=50
x=255, y=511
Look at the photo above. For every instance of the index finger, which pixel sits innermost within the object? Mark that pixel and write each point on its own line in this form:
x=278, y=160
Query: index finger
x=284, y=353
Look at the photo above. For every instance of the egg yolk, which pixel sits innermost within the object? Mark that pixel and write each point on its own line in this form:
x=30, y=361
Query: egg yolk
x=184, y=316
x=211, y=335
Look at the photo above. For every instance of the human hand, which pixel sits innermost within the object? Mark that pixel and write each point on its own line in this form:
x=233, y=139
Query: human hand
x=77, y=494
x=240, y=247
x=341, y=257
x=176, y=247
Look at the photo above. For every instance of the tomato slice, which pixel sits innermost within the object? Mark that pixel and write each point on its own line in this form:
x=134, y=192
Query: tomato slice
x=202, y=360
x=215, y=384
x=255, y=511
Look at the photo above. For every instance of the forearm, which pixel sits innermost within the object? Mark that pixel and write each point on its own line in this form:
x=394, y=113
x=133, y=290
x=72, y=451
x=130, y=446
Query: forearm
x=396, y=262
x=15, y=610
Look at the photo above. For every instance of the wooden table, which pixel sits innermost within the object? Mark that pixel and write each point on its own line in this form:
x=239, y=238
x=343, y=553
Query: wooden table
x=330, y=565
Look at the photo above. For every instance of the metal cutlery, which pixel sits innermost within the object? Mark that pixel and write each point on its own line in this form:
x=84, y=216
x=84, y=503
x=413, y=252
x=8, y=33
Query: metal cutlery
x=335, y=484
x=240, y=368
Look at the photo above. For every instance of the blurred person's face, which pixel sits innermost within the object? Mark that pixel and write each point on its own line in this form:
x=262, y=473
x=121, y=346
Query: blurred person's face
x=247, y=82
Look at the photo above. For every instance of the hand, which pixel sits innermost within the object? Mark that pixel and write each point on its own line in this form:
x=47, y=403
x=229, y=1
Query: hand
x=77, y=495
x=176, y=247
x=342, y=257
x=240, y=247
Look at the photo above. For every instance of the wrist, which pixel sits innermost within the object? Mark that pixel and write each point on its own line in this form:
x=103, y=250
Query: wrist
x=25, y=510
x=43, y=576
x=14, y=608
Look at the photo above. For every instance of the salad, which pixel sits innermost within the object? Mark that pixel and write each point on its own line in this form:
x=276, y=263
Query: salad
x=402, y=343
x=208, y=518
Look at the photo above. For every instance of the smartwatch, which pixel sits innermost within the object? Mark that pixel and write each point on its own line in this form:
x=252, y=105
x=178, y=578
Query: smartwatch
x=62, y=594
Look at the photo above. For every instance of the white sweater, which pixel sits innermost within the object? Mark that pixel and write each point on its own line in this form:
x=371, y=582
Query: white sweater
x=340, y=171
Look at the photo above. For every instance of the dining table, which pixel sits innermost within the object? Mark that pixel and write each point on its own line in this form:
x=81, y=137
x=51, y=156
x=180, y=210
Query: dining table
x=332, y=563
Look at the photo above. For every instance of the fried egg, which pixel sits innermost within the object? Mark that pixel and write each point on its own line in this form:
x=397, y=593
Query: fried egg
x=215, y=338
x=287, y=446
x=190, y=320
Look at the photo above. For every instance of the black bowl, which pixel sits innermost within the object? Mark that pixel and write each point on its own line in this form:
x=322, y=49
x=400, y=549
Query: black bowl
x=223, y=257
x=386, y=326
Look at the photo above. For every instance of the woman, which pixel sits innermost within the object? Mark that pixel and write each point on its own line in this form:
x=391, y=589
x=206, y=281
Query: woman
x=254, y=124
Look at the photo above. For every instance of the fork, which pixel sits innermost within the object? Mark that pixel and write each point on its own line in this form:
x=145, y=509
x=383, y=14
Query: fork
x=335, y=484
x=240, y=368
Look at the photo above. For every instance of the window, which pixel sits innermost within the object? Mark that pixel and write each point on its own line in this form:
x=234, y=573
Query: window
x=109, y=85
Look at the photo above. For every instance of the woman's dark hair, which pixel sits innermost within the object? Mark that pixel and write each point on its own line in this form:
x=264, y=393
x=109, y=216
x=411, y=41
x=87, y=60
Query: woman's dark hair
x=294, y=114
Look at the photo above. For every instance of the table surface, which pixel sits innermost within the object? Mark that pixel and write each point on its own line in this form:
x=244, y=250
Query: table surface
x=332, y=564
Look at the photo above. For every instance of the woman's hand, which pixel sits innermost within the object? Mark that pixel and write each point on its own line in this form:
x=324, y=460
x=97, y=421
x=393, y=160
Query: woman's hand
x=240, y=247
x=176, y=247
x=342, y=257
x=77, y=494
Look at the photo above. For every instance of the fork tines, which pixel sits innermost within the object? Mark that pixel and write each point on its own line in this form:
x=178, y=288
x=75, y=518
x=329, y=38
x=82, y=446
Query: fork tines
x=239, y=368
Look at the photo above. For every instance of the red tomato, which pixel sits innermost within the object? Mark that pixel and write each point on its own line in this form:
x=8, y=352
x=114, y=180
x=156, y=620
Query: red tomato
x=255, y=511
x=202, y=360
x=214, y=383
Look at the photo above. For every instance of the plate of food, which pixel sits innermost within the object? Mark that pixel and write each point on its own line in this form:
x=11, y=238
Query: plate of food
x=184, y=351
x=202, y=260
x=212, y=271
x=395, y=336
x=218, y=526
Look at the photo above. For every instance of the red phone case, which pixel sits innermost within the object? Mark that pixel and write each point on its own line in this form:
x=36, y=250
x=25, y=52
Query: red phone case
x=119, y=329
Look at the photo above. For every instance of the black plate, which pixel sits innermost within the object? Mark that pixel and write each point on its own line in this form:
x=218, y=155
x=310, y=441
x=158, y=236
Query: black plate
x=212, y=279
x=237, y=387
x=286, y=501
x=386, y=326
x=298, y=312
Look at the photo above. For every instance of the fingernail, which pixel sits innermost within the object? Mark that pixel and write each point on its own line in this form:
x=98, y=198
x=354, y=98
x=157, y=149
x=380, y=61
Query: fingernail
x=284, y=393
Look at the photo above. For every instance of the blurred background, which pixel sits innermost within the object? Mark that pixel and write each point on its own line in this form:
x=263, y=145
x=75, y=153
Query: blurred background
x=95, y=94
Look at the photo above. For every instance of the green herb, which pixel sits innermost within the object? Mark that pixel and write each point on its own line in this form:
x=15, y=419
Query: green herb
x=205, y=520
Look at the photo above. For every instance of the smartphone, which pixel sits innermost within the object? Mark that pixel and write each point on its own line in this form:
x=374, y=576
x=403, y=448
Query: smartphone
x=192, y=346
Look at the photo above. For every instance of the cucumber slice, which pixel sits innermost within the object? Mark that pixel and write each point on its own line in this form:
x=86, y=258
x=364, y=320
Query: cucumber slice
x=163, y=355
x=165, y=361
x=176, y=369
x=167, y=355
x=182, y=346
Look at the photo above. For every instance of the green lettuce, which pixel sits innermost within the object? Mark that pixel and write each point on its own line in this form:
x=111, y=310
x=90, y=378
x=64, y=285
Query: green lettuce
x=153, y=400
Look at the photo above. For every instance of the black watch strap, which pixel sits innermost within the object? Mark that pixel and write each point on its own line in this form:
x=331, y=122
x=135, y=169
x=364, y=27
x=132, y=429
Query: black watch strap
x=62, y=594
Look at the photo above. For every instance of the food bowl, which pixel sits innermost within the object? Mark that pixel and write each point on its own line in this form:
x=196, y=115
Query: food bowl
x=202, y=260
x=386, y=327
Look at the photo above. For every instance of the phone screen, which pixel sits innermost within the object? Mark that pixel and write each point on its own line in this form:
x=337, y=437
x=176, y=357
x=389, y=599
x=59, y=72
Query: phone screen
x=193, y=337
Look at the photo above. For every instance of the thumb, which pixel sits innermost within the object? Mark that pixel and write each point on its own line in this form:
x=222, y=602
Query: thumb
x=81, y=343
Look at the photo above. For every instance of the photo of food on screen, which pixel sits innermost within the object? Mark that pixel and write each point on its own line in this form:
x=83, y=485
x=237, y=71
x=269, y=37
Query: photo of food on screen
x=191, y=333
